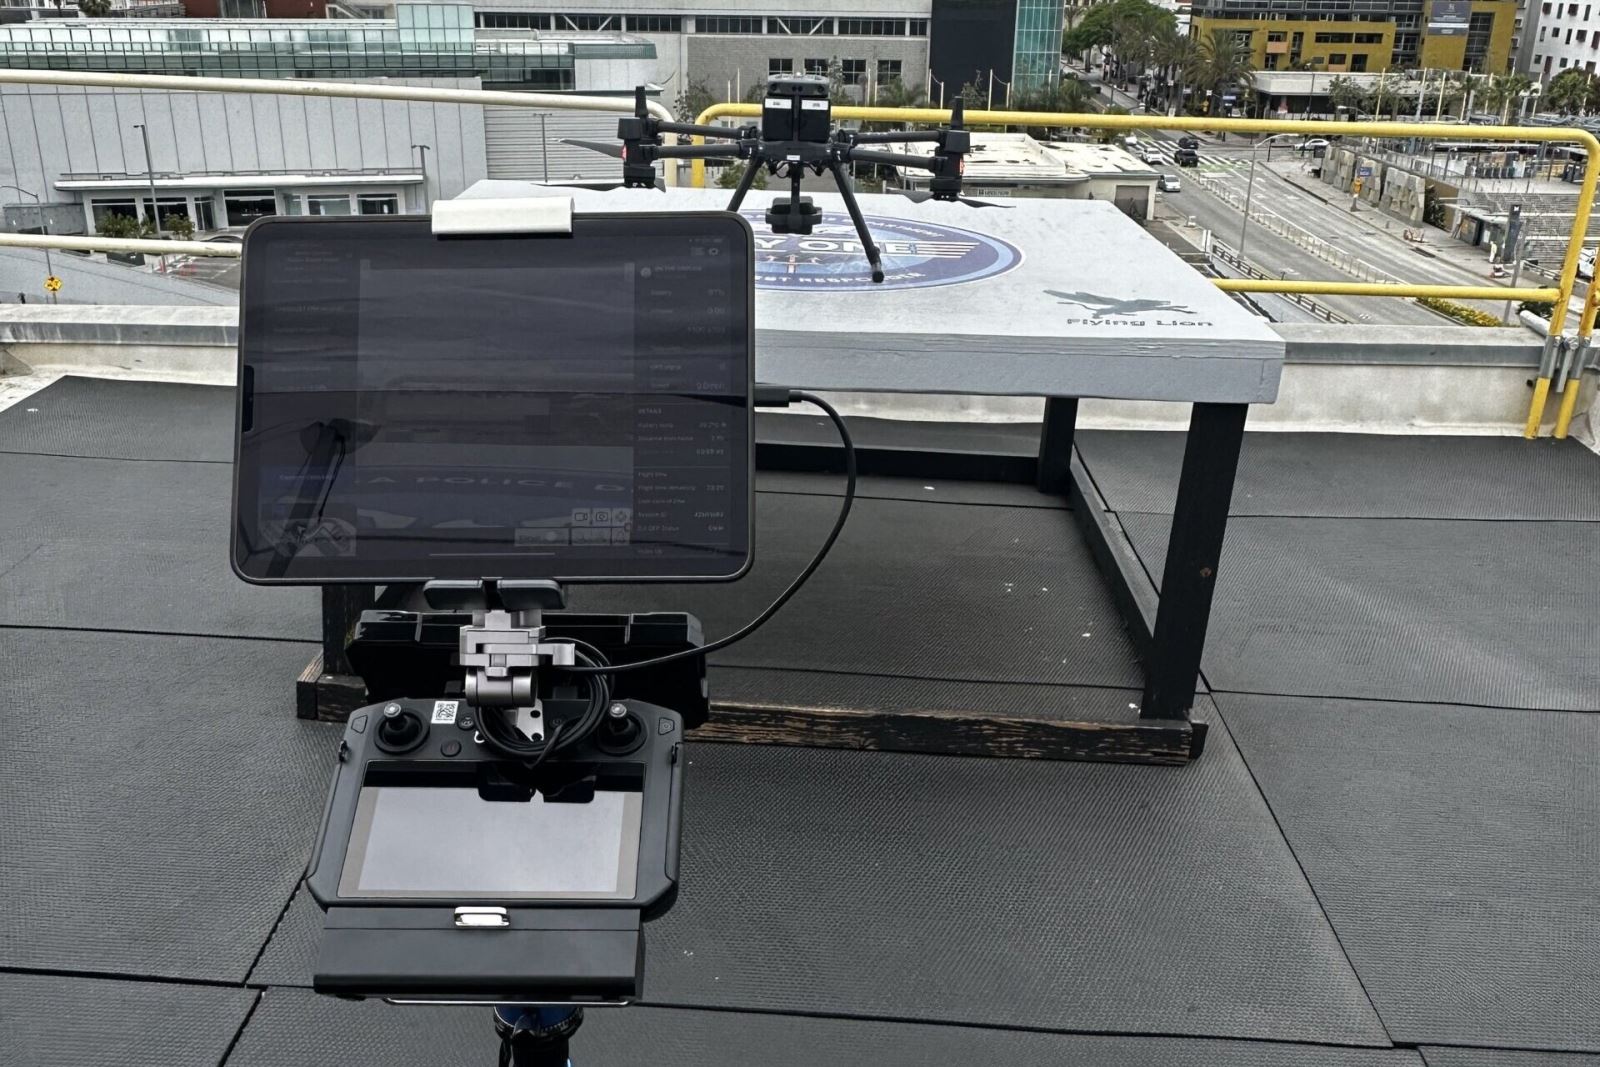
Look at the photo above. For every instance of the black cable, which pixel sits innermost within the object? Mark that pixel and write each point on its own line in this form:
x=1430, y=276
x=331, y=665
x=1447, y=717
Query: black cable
x=505, y=738
x=794, y=586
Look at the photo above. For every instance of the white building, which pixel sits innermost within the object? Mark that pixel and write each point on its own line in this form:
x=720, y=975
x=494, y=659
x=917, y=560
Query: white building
x=1561, y=36
x=1015, y=164
x=732, y=46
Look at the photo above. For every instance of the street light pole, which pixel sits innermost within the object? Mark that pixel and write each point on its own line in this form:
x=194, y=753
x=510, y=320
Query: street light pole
x=150, y=172
x=1249, y=188
x=422, y=149
x=44, y=226
x=544, y=148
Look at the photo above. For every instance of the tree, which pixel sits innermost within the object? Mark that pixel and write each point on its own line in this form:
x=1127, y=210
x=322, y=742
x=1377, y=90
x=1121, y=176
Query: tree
x=733, y=173
x=1067, y=96
x=1502, y=92
x=1572, y=92
x=1178, y=55
x=896, y=93
x=1346, y=94
x=95, y=9
x=1129, y=28
x=1223, y=63
x=178, y=225
x=974, y=98
x=122, y=227
x=1108, y=136
x=692, y=99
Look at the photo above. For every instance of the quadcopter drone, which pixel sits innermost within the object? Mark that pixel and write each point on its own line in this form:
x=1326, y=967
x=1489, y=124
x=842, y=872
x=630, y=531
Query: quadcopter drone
x=796, y=134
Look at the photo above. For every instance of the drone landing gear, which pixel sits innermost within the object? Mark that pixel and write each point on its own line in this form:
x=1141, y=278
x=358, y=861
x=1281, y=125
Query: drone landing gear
x=798, y=214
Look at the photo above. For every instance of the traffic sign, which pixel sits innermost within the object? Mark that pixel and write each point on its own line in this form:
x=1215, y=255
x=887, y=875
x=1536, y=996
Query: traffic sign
x=52, y=284
x=1364, y=172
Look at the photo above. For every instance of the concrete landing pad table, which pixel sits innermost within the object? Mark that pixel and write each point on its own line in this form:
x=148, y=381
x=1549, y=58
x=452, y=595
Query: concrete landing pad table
x=1059, y=299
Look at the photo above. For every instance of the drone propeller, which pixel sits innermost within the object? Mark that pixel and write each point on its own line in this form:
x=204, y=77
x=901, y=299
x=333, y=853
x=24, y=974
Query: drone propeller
x=605, y=148
x=919, y=196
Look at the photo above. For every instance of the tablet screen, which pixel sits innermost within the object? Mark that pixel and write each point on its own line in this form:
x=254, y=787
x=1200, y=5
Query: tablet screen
x=414, y=407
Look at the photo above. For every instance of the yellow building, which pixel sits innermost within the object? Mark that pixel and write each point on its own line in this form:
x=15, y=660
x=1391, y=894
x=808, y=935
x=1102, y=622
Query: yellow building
x=1417, y=34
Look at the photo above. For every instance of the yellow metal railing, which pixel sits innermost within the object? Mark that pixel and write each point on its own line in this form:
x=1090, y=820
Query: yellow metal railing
x=1560, y=296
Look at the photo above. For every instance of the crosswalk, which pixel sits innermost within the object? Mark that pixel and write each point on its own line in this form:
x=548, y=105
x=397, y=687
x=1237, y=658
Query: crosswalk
x=1167, y=146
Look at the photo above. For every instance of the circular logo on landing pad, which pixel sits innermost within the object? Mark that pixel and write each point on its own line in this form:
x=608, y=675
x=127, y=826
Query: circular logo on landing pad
x=915, y=255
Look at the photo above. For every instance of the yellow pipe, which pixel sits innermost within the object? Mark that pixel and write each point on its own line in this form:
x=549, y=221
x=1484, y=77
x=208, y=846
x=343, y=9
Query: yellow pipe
x=1569, y=266
x=1569, y=391
x=1467, y=292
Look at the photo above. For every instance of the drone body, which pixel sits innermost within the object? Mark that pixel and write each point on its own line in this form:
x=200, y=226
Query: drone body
x=796, y=134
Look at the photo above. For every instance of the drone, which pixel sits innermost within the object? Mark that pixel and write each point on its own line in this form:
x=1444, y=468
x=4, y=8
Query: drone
x=796, y=134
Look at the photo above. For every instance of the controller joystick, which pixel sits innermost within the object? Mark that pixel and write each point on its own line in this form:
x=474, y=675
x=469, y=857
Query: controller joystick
x=620, y=731
x=400, y=729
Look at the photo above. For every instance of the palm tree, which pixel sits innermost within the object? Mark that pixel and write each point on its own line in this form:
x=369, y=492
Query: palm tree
x=1504, y=90
x=1224, y=62
x=1178, y=55
x=896, y=93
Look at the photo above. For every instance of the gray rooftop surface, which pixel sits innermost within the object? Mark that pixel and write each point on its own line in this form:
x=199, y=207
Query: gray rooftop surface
x=1385, y=858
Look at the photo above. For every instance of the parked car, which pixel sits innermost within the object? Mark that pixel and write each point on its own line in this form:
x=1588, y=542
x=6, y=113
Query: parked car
x=1312, y=144
x=1186, y=157
x=1169, y=183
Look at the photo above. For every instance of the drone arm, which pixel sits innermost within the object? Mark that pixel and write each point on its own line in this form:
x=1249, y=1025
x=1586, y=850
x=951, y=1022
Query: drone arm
x=896, y=136
x=893, y=159
x=746, y=180
x=727, y=133
x=699, y=151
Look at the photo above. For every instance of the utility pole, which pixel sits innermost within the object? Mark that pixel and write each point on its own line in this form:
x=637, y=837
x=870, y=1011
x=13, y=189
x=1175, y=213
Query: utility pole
x=150, y=172
x=44, y=227
x=422, y=150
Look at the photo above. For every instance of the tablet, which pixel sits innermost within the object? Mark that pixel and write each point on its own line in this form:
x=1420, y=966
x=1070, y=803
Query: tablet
x=575, y=407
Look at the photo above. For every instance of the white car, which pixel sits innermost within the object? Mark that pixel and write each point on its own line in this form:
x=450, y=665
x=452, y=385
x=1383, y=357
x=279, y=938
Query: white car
x=1151, y=156
x=1315, y=144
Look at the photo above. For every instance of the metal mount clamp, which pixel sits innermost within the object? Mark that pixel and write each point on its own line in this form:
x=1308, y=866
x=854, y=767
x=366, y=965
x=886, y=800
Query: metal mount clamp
x=502, y=656
x=502, y=215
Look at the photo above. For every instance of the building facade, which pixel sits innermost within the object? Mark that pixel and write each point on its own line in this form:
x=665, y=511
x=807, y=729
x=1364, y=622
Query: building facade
x=1017, y=42
x=222, y=160
x=732, y=47
x=1367, y=35
x=1564, y=36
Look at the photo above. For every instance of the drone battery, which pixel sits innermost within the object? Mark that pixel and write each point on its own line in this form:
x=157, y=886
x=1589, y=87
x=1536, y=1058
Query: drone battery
x=579, y=955
x=796, y=108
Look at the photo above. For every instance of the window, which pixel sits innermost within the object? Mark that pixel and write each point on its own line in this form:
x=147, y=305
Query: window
x=377, y=204
x=726, y=24
x=1369, y=38
x=1333, y=38
x=888, y=70
x=328, y=204
x=917, y=27
x=493, y=20
x=170, y=205
x=588, y=23
x=872, y=27
x=243, y=9
x=1563, y=64
x=780, y=66
x=655, y=23
x=817, y=66
x=246, y=205
x=1581, y=35
x=1569, y=35
x=1336, y=58
x=852, y=69
x=800, y=26
x=104, y=208
x=1358, y=62
x=1276, y=35
x=1541, y=32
